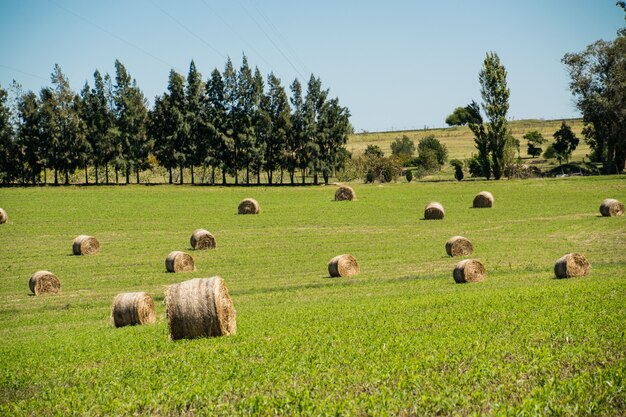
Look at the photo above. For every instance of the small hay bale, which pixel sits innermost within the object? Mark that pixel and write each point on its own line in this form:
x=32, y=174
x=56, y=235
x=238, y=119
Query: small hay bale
x=343, y=266
x=178, y=261
x=200, y=307
x=131, y=308
x=469, y=270
x=202, y=239
x=483, y=199
x=85, y=245
x=44, y=282
x=433, y=211
x=345, y=193
x=248, y=206
x=612, y=208
x=3, y=216
x=571, y=265
x=459, y=246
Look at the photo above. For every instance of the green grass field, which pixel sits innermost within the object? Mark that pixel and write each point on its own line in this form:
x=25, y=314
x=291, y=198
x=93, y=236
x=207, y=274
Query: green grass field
x=401, y=338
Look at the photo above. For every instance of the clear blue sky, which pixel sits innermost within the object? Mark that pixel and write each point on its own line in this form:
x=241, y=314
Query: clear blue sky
x=395, y=64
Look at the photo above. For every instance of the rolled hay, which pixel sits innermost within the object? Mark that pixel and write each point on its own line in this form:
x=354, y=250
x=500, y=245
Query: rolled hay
x=612, y=208
x=131, y=308
x=459, y=246
x=434, y=211
x=85, y=245
x=3, y=216
x=469, y=270
x=248, y=206
x=483, y=199
x=200, y=307
x=343, y=266
x=202, y=239
x=571, y=265
x=178, y=261
x=345, y=193
x=44, y=282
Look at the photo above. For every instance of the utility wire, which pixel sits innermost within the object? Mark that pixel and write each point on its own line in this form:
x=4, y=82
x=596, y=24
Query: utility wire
x=271, y=40
x=111, y=33
x=236, y=33
x=23, y=72
x=211, y=47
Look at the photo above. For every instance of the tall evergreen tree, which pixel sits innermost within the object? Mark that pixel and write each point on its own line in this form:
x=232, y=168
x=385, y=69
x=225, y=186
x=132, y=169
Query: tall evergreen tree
x=259, y=125
x=481, y=140
x=244, y=135
x=495, y=94
x=313, y=103
x=296, y=139
x=8, y=160
x=334, y=127
x=30, y=142
x=276, y=119
x=131, y=120
x=230, y=139
x=197, y=129
x=215, y=119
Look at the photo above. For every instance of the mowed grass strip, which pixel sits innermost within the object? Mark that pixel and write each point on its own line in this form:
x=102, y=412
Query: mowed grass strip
x=400, y=338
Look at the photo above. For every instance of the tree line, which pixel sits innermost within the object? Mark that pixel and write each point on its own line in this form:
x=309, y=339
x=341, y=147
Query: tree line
x=236, y=123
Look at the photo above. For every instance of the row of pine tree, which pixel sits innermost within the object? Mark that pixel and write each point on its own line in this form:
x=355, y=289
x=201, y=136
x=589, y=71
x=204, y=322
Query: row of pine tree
x=236, y=125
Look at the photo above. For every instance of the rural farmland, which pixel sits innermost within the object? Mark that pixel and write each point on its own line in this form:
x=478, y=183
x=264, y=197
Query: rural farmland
x=399, y=338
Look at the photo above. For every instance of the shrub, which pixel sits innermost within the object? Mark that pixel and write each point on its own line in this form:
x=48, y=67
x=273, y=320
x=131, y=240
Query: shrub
x=432, y=144
x=409, y=176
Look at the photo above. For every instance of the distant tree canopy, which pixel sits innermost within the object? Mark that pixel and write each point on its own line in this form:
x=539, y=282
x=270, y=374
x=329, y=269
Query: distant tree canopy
x=597, y=81
x=432, y=154
x=459, y=117
x=236, y=122
x=534, y=139
x=564, y=144
x=403, y=147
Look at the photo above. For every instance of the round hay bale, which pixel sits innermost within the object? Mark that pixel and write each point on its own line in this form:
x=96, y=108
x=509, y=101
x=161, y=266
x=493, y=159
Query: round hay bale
x=612, y=208
x=44, y=282
x=248, y=206
x=483, y=199
x=200, y=307
x=459, y=246
x=178, y=261
x=345, y=193
x=343, y=266
x=131, y=308
x=434, y=211
x=202, y=239
x=3, y=216
x=571, y=265
x=85, y=245
x=469, y=270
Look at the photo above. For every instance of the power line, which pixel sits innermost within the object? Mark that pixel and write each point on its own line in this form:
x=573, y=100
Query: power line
x=271, y=40
x=110, y=33
x=236, y=33
x=23, y=72
x=188, y=30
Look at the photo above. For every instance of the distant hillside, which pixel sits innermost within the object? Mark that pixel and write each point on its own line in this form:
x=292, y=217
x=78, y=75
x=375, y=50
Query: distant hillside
x=460, y=140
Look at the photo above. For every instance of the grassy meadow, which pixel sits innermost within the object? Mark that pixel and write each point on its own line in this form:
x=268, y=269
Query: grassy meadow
x=401, y=338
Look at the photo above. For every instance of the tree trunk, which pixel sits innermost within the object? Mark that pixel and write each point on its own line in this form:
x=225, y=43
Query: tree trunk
x=303, y=173
x=281, y=176
x=326, y=178
x=67, y=177
x=127, y=174
x=223, y=177
x=171, y=178
x=192, y=179
x=106, y=172
x=247, y=174
x=117, y=177
x=181, y=174
x=45, y=176
x=258, y=176
x=56, y=177
x=315, y=178
x=96, y=166
x=269, y=177
x=86, y=176
x=137, y=172
x=236, y=177
x=212, y=175
x=292, y=174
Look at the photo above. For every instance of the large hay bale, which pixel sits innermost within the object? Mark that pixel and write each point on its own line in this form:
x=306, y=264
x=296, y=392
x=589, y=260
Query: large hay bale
x=202, y=239
x=612, y=208
x=345, y=193
x=459, y=246
x=469, y=270
x=343, y=266
x=85, y=245
x=248, y=206
x=571, y=265
x=3, y=216
x=178, y=261
x=200, y=307
x=44, y=282
x=433, y=211
x=483, y=199
x=131, y=308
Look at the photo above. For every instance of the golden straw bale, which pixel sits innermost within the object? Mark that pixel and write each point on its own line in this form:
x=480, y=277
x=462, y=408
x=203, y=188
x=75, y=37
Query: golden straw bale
x=3, y=216
x=459, y=246
x=469, y=270
x=343, y=266
x=85, y=245
x=571, y=265
x=178, y=261
x=433, y=211
x=345, y=193
x=200, y=307
x=131, y=308
x=612, y=208
x=248, y=206
x=483, y=199
x=202, y=239
x=44, y=282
